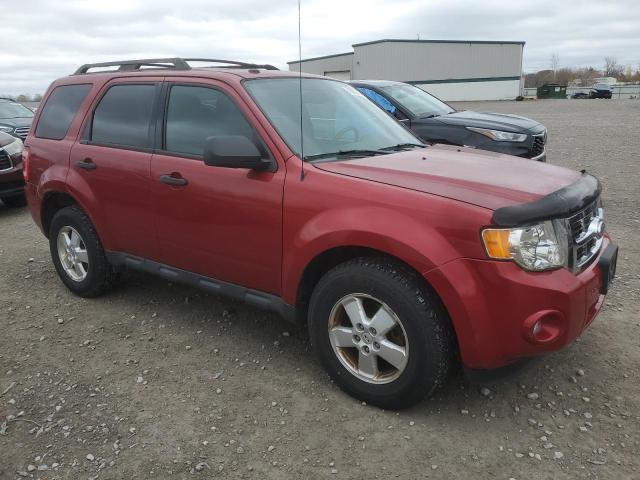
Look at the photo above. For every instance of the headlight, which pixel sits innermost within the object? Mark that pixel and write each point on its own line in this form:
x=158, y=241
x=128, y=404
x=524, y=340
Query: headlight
x=14, y=147
x=500, y=136
x=538, y=247
x=6, y=129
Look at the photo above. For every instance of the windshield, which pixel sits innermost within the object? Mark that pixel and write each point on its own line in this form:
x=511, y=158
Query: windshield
x=601, y=86
x=416, y=101
x=335, y=117
x=14, y=110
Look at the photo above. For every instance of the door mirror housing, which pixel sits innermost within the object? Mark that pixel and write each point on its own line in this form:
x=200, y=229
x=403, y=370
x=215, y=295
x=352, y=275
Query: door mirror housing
x=234, y=151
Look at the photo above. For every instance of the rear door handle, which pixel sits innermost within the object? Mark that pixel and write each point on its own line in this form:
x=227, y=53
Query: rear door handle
x=86, y=164
x=173, y=180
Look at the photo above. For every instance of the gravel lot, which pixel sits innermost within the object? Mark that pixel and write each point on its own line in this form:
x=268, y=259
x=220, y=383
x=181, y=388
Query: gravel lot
x=162, y=381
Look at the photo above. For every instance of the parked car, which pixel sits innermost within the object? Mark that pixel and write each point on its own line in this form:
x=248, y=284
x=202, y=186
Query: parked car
x=601, y=90
x=434, y=121
x=580, y=95
x=15, y=118
x=399, y=259
x=11, y=181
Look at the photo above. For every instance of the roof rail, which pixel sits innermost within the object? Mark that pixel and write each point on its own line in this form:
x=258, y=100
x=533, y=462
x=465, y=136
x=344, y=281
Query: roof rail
x=166, y=63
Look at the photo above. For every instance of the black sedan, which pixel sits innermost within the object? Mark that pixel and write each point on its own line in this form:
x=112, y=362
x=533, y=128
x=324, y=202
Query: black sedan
x=601, y=90
x=436, y=122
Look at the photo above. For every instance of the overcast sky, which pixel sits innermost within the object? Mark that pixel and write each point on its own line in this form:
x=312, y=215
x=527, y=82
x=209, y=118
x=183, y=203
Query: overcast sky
x=41, y=40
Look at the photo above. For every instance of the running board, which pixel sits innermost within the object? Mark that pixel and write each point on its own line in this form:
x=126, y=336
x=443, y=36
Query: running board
x=265, y=301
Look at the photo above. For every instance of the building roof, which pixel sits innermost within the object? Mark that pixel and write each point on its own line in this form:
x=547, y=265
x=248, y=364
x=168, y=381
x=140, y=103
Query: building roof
x=320, y=58
x=405, y=40
x=400, y=40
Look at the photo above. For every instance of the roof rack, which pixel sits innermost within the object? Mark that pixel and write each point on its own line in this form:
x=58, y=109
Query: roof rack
x=166, y=63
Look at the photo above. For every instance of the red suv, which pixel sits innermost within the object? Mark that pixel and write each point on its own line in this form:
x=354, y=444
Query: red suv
x=299, y=195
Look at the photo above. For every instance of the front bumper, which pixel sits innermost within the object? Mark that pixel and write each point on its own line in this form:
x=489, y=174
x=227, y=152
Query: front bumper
x=12, y=181
x=494, y=306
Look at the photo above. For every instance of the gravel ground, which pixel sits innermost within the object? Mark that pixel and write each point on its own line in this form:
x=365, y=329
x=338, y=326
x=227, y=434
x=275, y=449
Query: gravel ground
x=162, y=381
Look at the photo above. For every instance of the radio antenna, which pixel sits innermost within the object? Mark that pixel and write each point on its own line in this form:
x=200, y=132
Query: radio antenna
x=300, y=85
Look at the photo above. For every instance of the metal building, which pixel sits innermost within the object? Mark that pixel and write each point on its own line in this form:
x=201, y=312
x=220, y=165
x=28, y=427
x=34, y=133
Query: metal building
x=449, y=69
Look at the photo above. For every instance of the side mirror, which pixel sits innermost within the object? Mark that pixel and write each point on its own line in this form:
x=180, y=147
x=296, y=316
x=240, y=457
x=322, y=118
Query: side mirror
x=234, y=151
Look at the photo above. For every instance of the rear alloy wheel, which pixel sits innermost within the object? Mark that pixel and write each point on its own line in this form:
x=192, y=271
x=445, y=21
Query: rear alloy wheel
x=380, y=332
x=77, y=253
x=72, y=253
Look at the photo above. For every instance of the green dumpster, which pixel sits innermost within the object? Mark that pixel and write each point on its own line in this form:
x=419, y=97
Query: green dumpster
x=552, y=90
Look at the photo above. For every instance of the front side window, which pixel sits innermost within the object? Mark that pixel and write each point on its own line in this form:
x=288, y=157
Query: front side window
x=334, y=116
x=59, y=110
x=416, y=101
x=123, y=116
x=379, y=99
x=197, y=113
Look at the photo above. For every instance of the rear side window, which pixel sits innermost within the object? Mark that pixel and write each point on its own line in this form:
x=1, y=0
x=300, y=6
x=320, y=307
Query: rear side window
x=123, y=116
x=59, y=110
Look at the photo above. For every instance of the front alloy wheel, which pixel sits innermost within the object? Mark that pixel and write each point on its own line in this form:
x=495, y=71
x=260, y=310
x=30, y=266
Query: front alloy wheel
x=380, y=332
x=368, y=338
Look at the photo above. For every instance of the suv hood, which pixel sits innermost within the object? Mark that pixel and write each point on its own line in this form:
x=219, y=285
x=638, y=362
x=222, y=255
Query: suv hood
x=17, y=122
x=487, y=179
x=494, y=121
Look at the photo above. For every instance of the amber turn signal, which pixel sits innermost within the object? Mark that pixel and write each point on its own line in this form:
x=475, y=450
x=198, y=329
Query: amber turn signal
x=497, y=243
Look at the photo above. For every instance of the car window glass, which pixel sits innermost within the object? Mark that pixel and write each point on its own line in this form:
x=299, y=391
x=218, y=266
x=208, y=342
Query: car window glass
x=379, y=99
x=14, y=110
x=417, y=101
x=59, y=110
x=197, y=113
x=123, y=116
x=333, y=116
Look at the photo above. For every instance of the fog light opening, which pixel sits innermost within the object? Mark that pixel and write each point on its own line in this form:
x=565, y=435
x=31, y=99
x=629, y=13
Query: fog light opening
x=543, y=327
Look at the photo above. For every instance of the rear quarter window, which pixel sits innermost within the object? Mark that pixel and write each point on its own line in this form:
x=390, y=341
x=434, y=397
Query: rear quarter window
x=59, y=110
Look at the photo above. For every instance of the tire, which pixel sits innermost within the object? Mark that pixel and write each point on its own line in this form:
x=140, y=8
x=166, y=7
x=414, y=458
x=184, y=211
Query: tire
x=99, y=274
x=384, y=285
x=14, y=201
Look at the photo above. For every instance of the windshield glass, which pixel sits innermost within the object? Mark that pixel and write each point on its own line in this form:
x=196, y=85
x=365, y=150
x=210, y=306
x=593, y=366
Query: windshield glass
x=335, y=117
x=416, y=101
x=14, y=110
x=601, y=86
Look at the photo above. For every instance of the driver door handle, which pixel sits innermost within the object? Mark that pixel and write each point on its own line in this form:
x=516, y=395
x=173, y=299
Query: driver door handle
x=173, y=180
x=86, y=164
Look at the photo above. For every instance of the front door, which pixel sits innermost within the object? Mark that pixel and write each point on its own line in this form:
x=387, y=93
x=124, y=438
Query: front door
x=219, y=222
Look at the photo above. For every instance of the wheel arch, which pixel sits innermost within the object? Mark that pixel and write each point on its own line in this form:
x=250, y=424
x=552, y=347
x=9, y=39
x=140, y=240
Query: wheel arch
x=330, y=258
x=53, y=202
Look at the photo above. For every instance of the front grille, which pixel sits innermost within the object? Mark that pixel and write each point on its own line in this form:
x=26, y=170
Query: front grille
x=537, y=147
x=585, y=237
x=5, y=160
x=22, y=132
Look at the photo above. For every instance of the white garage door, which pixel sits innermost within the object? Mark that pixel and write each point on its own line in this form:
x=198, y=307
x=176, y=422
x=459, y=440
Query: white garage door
x=339, y=75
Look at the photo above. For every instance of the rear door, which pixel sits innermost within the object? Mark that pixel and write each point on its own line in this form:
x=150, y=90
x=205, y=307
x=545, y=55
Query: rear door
x=223, y=223
x=110, y=165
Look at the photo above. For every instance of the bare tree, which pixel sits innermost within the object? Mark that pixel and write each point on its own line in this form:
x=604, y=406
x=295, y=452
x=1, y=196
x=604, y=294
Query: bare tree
x=612, y=68
x=555, y=63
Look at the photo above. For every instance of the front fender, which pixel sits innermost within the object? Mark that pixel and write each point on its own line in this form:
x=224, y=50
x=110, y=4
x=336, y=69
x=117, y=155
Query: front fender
x=414, y=242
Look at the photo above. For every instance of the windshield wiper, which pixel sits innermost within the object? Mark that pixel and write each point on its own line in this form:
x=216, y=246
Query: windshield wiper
x=346, y=153
x=402, y=146
x=433, y=115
